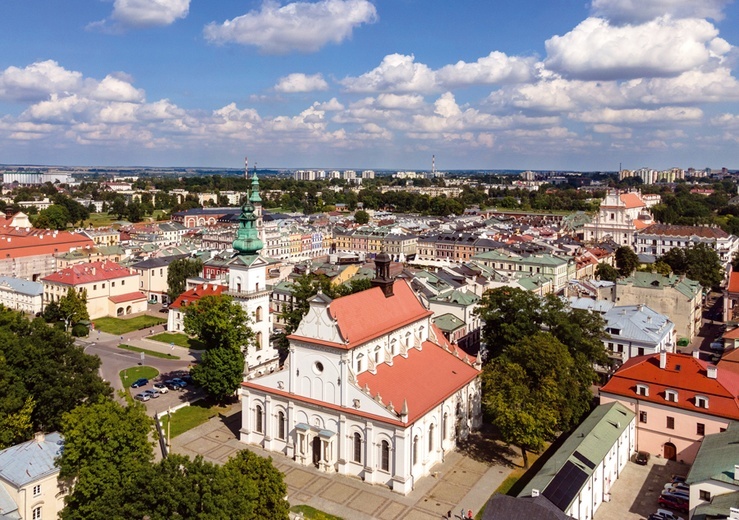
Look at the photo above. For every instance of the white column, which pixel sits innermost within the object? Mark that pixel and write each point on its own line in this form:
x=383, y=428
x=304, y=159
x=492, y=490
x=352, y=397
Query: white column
x=245, y=415
x=268, y=422
x=369, y=453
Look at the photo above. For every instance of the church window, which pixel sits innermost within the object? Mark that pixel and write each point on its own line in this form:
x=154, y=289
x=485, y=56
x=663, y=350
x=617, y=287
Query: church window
x=444, y=425
x=415, y=450
x=258, y=314
x=259, y=427
x=385, y=456
x=357, y=448
x=281, y=425
x=258, y=340
x=431, y=438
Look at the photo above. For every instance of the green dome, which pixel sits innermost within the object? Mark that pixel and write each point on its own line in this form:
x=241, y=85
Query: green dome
x=247, y=237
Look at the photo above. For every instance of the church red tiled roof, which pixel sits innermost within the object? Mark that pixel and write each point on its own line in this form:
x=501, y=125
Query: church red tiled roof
x=632, y=200
x=193, y=295
x=128, y=297
x=682, y=373
x=90, y=272
x=734, y=282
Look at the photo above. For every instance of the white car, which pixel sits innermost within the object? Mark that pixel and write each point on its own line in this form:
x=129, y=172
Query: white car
x=161, y=388
x=666, y=514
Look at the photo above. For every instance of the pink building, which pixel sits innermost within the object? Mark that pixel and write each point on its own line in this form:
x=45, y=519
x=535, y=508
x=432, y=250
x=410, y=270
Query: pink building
x=677, y=399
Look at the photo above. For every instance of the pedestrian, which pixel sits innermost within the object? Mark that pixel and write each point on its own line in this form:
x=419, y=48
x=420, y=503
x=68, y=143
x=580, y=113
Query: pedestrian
x=449, y=514
x=469, y=514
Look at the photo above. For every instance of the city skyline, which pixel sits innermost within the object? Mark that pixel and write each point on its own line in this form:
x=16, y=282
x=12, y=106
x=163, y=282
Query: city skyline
x=385, y=84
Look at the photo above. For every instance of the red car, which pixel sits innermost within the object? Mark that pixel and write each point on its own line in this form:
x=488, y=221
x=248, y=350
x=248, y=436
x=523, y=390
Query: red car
x=673, y=502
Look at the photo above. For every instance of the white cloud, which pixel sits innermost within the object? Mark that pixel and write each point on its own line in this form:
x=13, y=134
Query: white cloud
x=396, y=73
x=36, y=81
x=639, y=115
x=298, y=26
x=149, y=13
x=298, y=82
x=630, y=11
x=597, y=50
x=332, y=105
x=112, y=88
x=495, y=68
x=399, y=101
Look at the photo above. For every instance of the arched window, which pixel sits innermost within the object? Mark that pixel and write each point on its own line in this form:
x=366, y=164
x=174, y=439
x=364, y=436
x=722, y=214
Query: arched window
x=258, y=314
x=359, y=363
x=258, y=340
x=431, y=438
x=415, y=450
x=258, y=416
x=385, y=456
x=357, y=448
x=281, y=425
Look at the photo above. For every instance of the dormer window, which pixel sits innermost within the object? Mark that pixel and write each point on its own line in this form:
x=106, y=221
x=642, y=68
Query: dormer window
x=701, y=401
x=671, y=395
x=642, y=390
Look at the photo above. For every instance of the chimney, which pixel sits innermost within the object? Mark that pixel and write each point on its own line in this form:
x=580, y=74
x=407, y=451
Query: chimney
x=534, y=493
x=662, y=359
x=736, y=471
x=39, y=437
x=734, y=513
x=697, y=354
x=712, y=371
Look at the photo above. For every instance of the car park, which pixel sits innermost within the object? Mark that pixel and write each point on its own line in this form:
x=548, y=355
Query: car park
x=679, y=478
x=142, y=397
x=173, y=385
x=641, y=458
x=140, y=382
x=179, y=381
x=161, y=388
x=665, y=514
x=151, y=393
x=680, y=486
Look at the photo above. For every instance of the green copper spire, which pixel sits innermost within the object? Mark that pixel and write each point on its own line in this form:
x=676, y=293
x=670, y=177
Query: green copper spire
x=247, y=237
x=254, y=197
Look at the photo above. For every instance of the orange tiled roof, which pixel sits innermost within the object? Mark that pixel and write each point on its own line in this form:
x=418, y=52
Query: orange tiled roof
x=424, y=379
x=90, y=272
x=730, y=361
x=368, y=314
x=631, y=200
x=734, y=282
x=193, y=295
x=19, y=243
x=640, y=224
x=684, y=374
x=128, y=297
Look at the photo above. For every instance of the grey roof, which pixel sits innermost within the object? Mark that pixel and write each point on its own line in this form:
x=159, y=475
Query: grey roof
x=8, y=507
x=588, y=304
x=161, y=261
x=719, y=507
x=30, y=461
x=22, y=286
x=524, y=508
x=637, y=323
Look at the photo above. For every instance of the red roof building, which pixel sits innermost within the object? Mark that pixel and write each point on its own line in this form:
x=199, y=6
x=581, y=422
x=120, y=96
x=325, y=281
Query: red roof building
x=371, y=388
x=677, y=398
x=175, y=321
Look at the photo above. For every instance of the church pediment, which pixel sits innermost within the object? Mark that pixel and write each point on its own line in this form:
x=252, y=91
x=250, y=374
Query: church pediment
x=318, y=323
x=249, y=261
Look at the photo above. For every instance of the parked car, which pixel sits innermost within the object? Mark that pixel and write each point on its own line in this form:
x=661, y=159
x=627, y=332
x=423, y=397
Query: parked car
x=641, y=458
x=140, y=382
x=717, y=346
x=188, y=379
x=666, y=514
x=679, y=486
x=179, y=381
x=161, y=388
x=172, y=385
x=142, y=397
x=673, y=502
x=151, y=393
x=679, y=478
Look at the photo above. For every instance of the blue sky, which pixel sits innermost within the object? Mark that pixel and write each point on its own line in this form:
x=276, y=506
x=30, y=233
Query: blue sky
x=556, y=84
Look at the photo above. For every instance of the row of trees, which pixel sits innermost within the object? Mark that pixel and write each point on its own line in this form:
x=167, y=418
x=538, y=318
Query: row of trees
x=537, y=381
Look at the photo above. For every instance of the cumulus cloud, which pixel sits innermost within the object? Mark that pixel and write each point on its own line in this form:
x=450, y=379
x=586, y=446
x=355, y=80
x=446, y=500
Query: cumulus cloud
x=637, y=11
x=639, y=115
x=295, y=27
x=396, y=73
x=143, y=13
x=36, y=81
x=597, y=50
x=495, y=68
x=332, y=105
x=298, y=82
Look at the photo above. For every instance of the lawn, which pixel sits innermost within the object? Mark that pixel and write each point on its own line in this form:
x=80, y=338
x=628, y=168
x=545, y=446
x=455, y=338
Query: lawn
x=101, y=219
x=189, y=417
x=129, y=375
x=313, y=513
x=119, y=326
x=152, y=353
x=181, y=340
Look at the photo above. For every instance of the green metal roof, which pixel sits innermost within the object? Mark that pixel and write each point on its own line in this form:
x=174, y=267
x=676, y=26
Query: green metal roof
x=592, y=440
x=458, y=297
x=716, y=457
x=687, y=287
x=718, y=507
x=448, y=322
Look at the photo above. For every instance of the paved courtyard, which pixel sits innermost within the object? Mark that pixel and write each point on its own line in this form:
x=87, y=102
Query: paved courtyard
x=460, y=482
x=634, y=495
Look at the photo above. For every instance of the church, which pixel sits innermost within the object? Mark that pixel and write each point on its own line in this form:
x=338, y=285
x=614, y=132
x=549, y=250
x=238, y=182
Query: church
x=371, y=388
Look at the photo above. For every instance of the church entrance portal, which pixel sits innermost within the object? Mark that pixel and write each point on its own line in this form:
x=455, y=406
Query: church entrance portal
x=316, y=445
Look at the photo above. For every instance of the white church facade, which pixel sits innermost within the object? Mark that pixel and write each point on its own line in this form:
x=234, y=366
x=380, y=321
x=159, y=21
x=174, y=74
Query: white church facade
x=371, y=389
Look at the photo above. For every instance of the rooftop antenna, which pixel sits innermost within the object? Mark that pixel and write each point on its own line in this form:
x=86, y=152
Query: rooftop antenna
x=433, y=164
x=246, y=168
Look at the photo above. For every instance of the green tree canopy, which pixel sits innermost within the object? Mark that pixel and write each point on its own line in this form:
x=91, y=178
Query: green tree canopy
x=53, y=217
x=606, y=272
x=218, y=322
x=73, y=308
x=220, y=372
x=178, y=273
x=361, y=217
x=43, y=366
x=510, y=315
x=626, y=261
x=698, y=262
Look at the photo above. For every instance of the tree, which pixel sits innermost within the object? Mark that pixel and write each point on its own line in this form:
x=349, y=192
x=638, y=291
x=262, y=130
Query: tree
x=510, y=315
x=606, y=272
x=270, y=501
x=73, y=308
x=105, y=445
x=53, y=217
x=44, y=364
x=626, y=260
x=361, y=217
x=178, y=273
x=699, y=262
x=218, y=322
x=220, y=372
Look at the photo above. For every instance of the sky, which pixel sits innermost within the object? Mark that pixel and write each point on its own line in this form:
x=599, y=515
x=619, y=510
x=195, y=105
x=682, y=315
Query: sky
x=385, y=84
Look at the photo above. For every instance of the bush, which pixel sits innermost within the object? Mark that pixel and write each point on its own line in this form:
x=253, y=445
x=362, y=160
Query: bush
x=80, y=331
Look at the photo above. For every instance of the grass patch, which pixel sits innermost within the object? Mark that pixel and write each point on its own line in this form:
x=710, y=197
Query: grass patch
x=124, y=326
x=189, y=417
x=101, y=219
x=181, y=340
x=152, y=353
x=129, y=375
x=313, y=513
